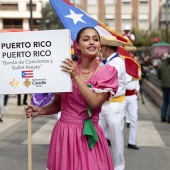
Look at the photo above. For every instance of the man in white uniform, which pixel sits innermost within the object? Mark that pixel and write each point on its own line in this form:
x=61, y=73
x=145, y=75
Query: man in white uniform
x=128, y=34
x=111, y=118
x=132, y=94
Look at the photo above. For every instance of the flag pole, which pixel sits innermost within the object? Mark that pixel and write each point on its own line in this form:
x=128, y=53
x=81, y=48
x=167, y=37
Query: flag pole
x=29, y=102
x=29, y=138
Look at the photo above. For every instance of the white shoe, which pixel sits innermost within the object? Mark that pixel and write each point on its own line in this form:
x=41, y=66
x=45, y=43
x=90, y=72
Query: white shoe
x=5, y=108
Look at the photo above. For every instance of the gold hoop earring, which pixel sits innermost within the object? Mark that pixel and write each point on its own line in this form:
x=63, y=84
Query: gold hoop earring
x=98, y=56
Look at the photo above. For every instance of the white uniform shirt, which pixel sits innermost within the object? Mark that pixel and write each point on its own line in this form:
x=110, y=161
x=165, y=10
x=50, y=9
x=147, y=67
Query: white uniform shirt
x=132, y=84
x=119, y=64
x=131, y=36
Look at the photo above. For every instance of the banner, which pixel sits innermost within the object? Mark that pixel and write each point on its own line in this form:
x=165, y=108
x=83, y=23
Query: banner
x=30, y=62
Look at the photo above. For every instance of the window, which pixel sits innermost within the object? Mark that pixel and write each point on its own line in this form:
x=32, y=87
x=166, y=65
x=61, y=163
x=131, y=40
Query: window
x=109, y=16
x=109, y=22
x=143, y=16
x=109, y=19
x=126, y=20
x=90, y=2
x=109, y=2
x=126, y=2
x=143, y=2
x=33, y=7
x=12, y=23
x=143, y=21
x=94, y=16
x=126, y=16
x=7, y=7
x=75, y=1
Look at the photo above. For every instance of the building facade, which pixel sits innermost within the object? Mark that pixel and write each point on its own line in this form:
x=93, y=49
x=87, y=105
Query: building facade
x=15, y=14
x=142, y=14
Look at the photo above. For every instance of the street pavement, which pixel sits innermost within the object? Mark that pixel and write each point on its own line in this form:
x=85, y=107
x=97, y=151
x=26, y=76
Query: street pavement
x=12, y=115
x=153, y=138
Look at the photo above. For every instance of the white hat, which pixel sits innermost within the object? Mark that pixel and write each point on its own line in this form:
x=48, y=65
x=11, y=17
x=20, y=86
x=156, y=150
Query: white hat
x=111, y=41
x=126, y=27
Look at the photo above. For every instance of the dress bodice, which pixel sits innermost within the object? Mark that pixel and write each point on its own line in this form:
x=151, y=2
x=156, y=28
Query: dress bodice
x=74, y=107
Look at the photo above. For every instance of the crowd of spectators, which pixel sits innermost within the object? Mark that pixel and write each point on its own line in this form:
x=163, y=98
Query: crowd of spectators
x=150, y=64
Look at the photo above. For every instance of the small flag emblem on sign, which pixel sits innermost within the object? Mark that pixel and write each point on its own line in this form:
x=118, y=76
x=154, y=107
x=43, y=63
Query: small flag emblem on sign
x=27, y=74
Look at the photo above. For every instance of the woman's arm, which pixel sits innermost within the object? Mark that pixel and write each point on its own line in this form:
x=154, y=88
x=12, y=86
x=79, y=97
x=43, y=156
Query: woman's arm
x=93, y=99
x=53, y=107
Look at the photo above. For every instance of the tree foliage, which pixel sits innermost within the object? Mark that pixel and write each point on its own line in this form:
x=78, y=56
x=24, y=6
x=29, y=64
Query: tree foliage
x=146, y=38
x=50, y=20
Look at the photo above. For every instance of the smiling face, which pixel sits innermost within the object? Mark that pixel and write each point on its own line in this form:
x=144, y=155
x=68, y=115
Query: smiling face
x=88, y=42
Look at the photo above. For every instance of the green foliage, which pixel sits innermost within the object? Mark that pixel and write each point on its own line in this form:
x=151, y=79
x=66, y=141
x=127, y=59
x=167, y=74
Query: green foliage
x=146, y=38
x=50, y=20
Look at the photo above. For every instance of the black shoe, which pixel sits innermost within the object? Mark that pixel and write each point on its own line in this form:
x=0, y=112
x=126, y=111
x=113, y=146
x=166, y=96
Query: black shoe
x=168, y=121
x=1, y=120
x=163, y=120
x=19, y=104
x=133, y=147
x=25, y=103
x=108, y=142
x=128, y=125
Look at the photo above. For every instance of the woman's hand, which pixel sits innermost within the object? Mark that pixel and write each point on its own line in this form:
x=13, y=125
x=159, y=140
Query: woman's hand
x=70, y=66
x=32, y=111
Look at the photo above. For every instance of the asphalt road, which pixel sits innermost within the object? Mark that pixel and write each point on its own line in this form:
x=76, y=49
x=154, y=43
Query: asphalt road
x=153, y=138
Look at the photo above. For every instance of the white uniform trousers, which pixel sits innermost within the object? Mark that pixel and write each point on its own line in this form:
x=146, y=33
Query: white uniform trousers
x=127, y=117
x=111, y=120
x=132, y=111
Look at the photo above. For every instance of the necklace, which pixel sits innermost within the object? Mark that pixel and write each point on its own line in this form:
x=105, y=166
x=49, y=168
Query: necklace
x=89, y=71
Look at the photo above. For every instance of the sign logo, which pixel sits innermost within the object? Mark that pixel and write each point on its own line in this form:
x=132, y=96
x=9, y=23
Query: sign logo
x=27, y=74
x=39, y=82
x=14, y=83
x=27, y=83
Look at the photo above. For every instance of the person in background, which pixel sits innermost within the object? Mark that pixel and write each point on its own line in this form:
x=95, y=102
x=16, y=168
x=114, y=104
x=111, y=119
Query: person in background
x=1, y=106
x=163, y=73
x=132, y=94
x=19, y=99
x=131, y=50
x=6, y=96
x=77, y=141
x=128, y=34
x=111, y=118
x=152, y=70
x=156, y=60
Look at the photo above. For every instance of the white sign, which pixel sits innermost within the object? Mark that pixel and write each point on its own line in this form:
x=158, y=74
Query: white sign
x=30, y=62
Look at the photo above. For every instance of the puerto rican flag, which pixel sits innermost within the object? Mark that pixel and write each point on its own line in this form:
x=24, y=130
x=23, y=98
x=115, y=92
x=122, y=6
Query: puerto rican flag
x=27, y=74
x=75, y=19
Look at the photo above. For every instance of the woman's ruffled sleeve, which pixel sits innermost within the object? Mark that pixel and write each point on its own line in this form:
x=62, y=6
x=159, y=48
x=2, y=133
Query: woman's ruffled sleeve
x=106, y=80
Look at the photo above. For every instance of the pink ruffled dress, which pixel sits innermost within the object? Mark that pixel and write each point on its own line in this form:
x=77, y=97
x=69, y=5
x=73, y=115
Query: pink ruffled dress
x=69, y=148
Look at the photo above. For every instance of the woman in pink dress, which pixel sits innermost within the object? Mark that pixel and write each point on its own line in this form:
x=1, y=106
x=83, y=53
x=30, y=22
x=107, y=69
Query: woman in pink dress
x=77, y=141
